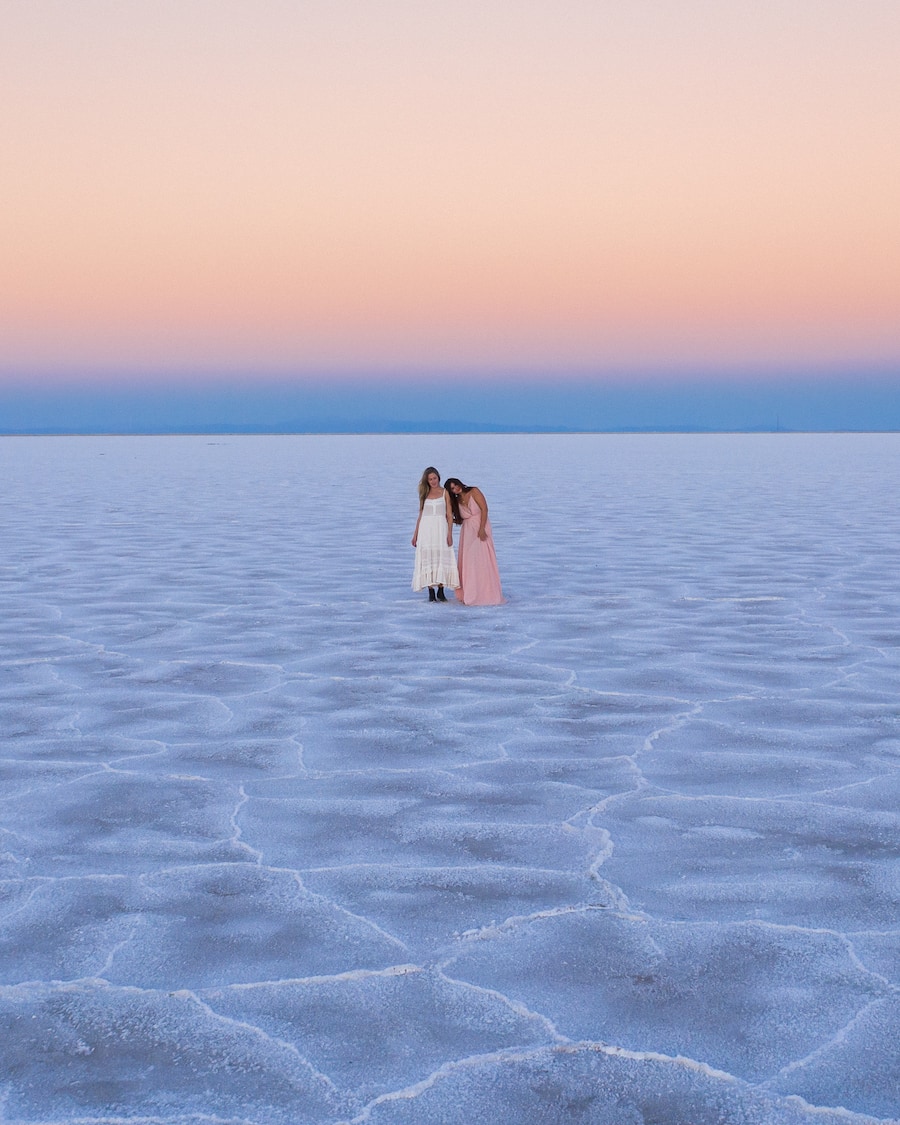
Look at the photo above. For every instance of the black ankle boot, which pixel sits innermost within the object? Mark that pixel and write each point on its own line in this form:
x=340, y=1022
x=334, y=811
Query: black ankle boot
x=440, y=594
x=431, y=596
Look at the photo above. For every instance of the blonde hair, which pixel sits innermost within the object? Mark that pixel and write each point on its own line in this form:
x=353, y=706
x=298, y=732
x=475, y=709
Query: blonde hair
x=424, y=486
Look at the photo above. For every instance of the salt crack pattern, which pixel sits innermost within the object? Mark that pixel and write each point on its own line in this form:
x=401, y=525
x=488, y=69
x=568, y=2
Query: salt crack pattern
x=281, y=843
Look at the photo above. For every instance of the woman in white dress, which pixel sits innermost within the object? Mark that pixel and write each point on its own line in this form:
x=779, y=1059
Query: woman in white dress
x=433, y=539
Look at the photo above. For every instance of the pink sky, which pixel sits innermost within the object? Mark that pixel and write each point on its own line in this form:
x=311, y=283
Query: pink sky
x=307, y=185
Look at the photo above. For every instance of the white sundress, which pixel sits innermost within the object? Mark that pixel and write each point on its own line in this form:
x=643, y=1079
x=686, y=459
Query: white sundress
x=435, y=561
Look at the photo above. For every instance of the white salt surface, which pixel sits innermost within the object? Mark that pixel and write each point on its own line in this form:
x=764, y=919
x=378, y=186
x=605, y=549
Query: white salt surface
x=281, y=843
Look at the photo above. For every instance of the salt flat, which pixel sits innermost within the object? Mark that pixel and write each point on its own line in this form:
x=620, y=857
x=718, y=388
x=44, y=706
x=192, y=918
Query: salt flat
x=281, y=843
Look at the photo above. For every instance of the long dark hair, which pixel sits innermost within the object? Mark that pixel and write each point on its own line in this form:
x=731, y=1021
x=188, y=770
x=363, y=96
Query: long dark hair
x=424, y=486
x=454, y=499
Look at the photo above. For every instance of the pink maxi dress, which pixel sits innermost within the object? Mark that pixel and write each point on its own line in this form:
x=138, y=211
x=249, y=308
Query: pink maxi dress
x=479, y=578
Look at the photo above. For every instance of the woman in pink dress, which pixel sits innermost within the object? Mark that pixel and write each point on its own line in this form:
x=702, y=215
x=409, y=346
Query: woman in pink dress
x=479, y=579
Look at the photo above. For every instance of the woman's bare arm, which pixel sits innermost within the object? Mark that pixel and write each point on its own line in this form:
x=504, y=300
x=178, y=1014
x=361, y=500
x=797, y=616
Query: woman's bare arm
x=448, y=508
x=478, y=496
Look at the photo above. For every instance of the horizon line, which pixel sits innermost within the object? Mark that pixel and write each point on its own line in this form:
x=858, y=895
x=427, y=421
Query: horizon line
x=261, y=431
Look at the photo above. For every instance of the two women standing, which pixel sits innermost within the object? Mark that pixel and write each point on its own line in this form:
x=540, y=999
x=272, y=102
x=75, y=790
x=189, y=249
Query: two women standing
x=477, y=580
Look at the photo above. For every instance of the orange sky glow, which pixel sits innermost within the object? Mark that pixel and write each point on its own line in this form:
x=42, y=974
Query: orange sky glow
x=267, y=185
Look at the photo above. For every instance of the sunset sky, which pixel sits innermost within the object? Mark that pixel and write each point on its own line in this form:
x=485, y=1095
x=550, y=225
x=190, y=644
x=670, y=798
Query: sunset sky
x=641, y=212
